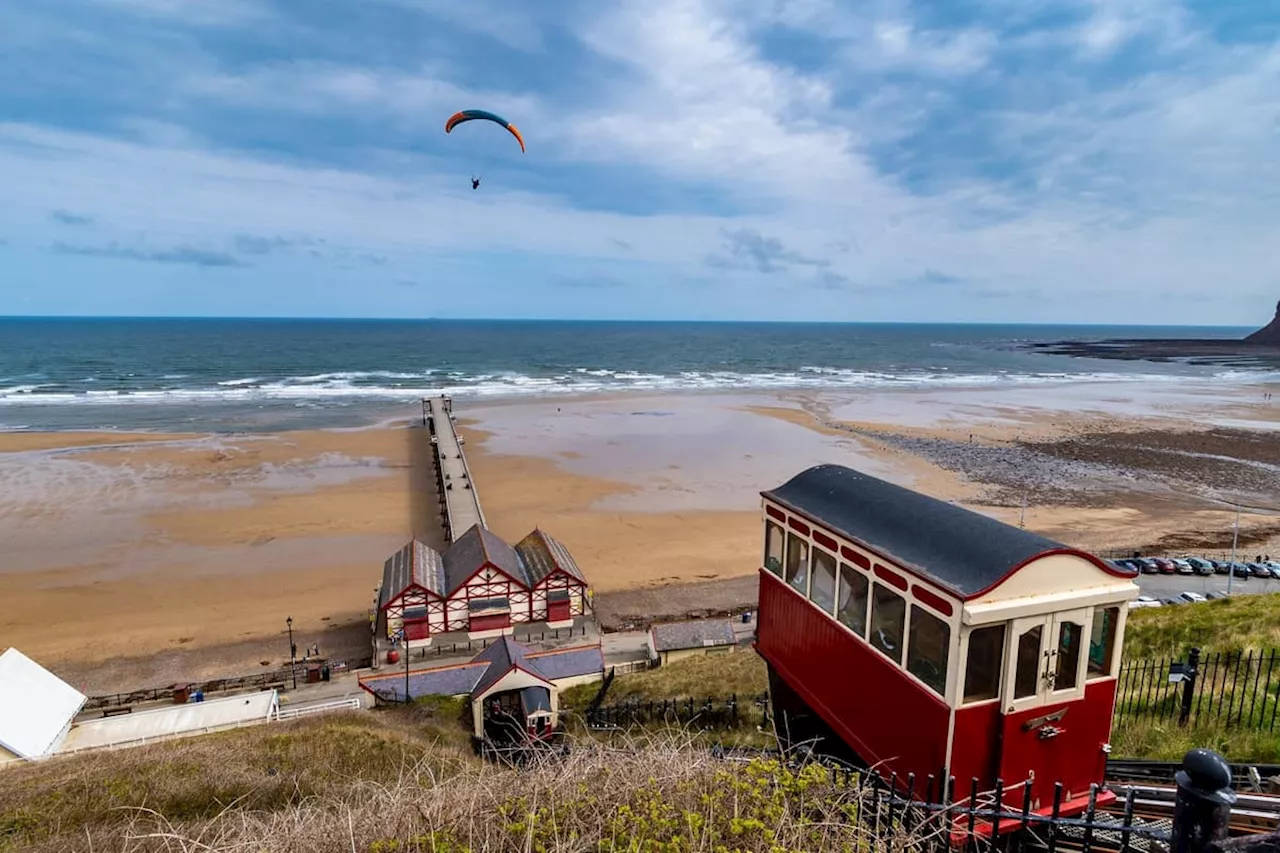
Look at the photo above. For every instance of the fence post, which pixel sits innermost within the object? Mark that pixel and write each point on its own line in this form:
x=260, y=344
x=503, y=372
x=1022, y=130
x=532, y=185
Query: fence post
x=1202, y=809
x=1189, y=686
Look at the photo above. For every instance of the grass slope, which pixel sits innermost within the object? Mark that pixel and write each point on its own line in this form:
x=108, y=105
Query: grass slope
x=394, y=781
x=1239, y=623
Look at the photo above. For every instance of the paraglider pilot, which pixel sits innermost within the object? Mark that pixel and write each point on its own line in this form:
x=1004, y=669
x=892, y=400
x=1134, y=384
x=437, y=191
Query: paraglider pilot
x=475, y=183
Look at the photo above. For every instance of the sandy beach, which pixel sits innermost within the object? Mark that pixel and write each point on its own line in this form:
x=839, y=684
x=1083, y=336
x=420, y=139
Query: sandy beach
x=137, y=559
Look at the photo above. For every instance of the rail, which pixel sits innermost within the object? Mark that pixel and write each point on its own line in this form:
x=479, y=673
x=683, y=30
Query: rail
x=453, y=476
x=346, y=703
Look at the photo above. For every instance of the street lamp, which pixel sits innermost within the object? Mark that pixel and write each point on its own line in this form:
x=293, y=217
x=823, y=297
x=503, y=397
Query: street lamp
x=293, y=653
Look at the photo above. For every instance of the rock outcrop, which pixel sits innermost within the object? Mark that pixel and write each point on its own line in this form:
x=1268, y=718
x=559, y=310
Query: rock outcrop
x=1268, y=335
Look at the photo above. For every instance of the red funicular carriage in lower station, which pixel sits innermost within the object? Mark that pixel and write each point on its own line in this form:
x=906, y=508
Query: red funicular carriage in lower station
x=931, y=641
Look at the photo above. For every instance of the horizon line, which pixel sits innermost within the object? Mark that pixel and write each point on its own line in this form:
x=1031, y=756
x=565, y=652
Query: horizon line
x=268, y=318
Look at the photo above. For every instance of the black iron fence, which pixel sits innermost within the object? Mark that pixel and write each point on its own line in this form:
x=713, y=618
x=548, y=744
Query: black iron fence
x=706, y=713
x=1227, y=689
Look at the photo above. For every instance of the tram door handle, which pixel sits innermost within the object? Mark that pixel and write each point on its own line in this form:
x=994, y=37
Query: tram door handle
x=1050, y=676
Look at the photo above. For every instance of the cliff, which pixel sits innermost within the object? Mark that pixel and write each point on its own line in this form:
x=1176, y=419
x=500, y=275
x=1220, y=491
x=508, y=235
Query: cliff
x=1268, y=335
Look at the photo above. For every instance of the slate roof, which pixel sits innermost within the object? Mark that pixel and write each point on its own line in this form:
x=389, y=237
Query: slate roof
x=958, y=549
x=415, y=563
x=485, y=669
x=457, y=680
x=501, y=655
x=694, y=634
x=543, y=554
x=472, y=550
x=569, y=663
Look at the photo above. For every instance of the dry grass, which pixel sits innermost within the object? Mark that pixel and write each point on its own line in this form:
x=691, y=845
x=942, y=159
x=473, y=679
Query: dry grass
x=710, y=676
x=385, y=782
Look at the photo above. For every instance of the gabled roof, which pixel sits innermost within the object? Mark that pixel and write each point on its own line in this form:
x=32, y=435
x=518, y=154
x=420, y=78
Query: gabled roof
x=569, y=663
x=543, y=554
x=415, y=563
x=958, y=549
x=472, y=550
x=502, y=655
x=36, y=707
x=693, y=634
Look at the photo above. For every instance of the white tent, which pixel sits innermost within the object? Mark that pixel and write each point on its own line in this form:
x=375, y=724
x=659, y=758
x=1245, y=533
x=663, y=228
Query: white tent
x=36, y=708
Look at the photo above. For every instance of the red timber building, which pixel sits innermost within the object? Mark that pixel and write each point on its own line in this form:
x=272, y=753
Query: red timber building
x=480, y=585
x=931, y=640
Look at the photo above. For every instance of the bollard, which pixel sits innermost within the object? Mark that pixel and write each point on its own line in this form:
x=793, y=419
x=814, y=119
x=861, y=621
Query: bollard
x=1202, y=810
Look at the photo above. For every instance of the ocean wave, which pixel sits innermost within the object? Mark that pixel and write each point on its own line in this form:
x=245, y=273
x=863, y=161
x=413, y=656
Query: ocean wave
x=373, y=385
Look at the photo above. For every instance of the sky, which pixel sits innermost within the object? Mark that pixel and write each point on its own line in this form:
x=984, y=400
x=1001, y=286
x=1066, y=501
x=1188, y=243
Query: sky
x=1066, y=161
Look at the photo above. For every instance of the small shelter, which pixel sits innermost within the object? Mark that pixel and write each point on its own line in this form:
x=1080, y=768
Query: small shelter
x=413, y=593
x=514, y=692
x=672, y=641
x=36, y=709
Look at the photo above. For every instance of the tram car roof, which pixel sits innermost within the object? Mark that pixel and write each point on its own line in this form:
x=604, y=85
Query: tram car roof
x=962, y=551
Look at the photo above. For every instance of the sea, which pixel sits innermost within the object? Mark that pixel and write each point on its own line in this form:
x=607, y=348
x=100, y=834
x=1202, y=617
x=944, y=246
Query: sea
x=262, y=374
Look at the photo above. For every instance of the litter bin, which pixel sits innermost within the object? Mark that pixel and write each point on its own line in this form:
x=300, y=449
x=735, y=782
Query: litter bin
x=313, y=674
x=393, y=656
x=746, y=617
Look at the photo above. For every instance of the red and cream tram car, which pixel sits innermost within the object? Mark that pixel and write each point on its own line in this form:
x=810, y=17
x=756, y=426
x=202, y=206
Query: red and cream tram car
x=935, y=641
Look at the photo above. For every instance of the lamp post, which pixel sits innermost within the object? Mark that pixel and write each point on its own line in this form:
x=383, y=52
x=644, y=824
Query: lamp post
x=406, y=668
x=293, y=653
x=1235, y=537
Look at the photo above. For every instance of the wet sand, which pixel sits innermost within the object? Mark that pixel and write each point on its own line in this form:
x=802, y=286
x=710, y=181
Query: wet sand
x=138, y=560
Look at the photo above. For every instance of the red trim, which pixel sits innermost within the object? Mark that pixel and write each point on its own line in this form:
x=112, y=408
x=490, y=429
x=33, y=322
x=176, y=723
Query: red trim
x=932, y=599
x=775, y=512
x=859, y=560
x=895, y=579
x=825, y=541
x=798, y=525
x=916, y=574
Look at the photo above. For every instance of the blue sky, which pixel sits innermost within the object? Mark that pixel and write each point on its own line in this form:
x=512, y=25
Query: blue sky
x=966, y=160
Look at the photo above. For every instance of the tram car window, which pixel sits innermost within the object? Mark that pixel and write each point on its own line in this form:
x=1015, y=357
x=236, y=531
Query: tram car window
x=999, y=646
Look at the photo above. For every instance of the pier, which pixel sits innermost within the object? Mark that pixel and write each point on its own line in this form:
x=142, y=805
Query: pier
x=460, y=505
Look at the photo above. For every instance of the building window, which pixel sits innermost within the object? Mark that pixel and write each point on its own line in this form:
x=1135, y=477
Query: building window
x=1069, y=634
x=888, y=621
x=797, y=563
x=773, y=542
x=852, y=611
x=982, y=667
x=823, y=586
x=1102, y=641
x=930, y=648
x=1027, y=676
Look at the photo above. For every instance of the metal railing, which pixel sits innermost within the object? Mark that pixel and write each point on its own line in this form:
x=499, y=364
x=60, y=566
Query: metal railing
x=1230, y=689
x=346, y=703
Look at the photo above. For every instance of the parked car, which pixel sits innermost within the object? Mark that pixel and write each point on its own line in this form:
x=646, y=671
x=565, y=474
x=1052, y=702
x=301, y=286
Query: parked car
x=1239, y=570
x=1165, y=566
x=1171, y=600
x=1192, y=597
x=1220, y=567
x=1143, y=601
x=1183, y=567
x=1214, y=594
x=1273, y=566
x=1258, y=570
x=1202, y=567
x=1147, y=565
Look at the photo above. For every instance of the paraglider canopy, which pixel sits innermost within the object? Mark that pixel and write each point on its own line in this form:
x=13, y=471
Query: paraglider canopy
x=473, y=115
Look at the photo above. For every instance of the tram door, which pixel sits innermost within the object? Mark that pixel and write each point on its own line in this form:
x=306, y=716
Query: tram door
x=1044, y=680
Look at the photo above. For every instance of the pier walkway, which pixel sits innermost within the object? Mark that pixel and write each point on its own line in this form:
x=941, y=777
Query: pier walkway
x=460, y=503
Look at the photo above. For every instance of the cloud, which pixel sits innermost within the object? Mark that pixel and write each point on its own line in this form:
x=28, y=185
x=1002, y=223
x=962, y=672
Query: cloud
x=251, y=244
x=67, y=218
x=406, y=282
x=176, y=255
x=750, y=249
